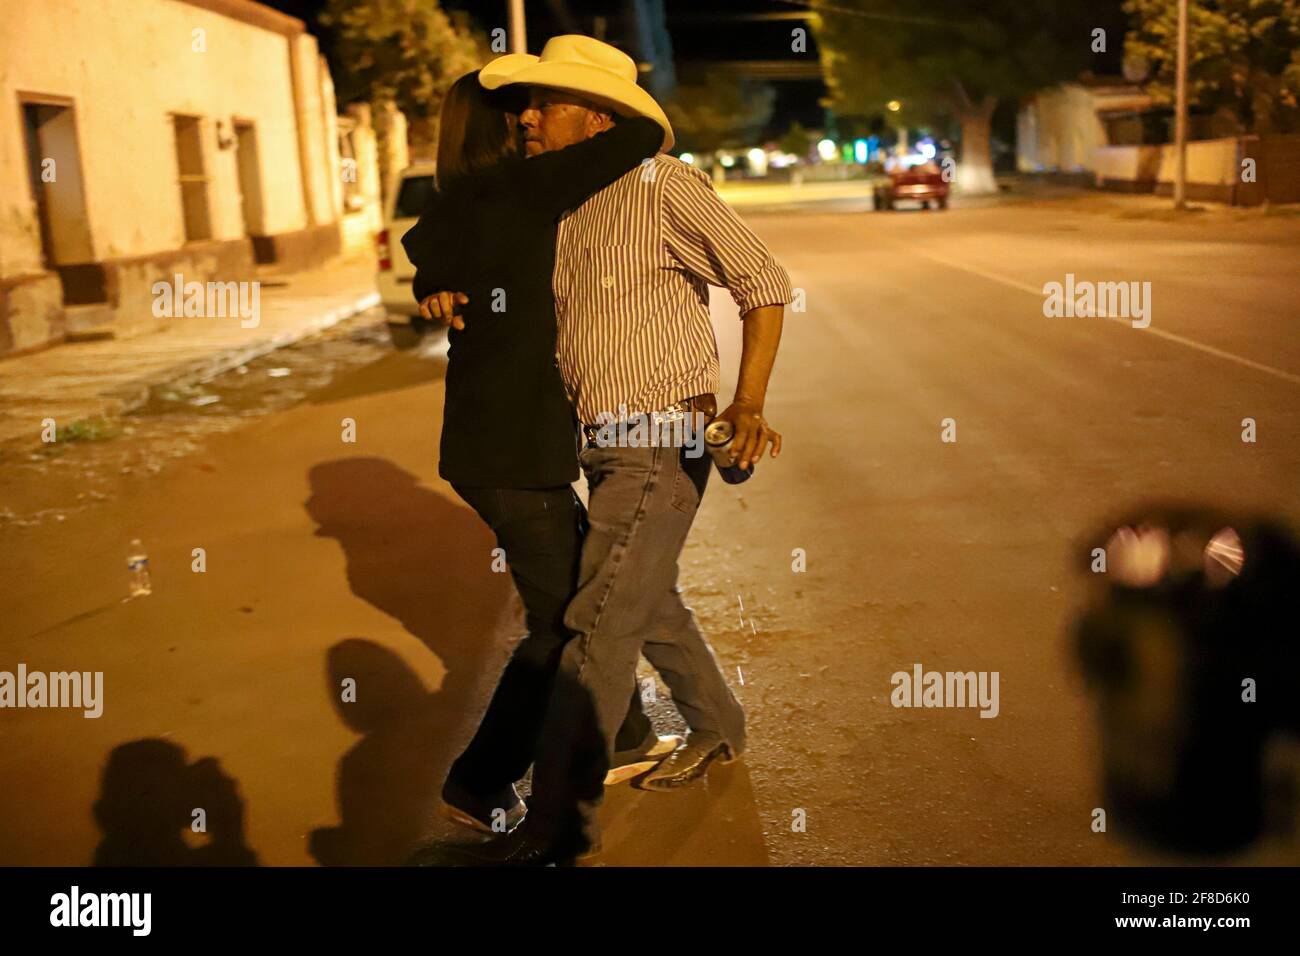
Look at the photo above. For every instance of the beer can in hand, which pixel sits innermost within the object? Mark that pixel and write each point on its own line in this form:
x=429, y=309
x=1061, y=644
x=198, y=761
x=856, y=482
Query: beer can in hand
x=717, y=438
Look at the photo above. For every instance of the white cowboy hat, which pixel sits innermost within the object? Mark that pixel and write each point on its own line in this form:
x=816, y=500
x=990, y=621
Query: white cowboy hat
x=582, y=66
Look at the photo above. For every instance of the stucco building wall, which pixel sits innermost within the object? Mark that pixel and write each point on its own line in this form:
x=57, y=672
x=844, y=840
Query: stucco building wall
x=125, y=68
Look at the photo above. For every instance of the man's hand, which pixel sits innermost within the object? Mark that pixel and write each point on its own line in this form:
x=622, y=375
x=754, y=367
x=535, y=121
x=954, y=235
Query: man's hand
x=752, y=435
x=761, y=337
x=444, y=308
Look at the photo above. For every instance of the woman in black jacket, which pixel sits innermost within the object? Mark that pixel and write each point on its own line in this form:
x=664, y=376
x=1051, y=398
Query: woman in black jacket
x=509, y=436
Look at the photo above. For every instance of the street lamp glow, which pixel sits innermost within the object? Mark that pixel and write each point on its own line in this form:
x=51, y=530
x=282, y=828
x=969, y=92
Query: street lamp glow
x=826, y=150
x=688, y=159
x=727, y=160
x=894, y=106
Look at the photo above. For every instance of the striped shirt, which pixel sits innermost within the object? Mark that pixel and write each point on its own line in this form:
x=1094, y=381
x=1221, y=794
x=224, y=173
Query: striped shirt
x=633, y=267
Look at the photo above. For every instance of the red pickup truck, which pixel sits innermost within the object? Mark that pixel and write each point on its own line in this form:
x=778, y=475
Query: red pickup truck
x=924, y=184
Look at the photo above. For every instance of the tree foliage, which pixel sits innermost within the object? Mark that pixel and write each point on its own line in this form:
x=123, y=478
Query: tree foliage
x=797, y=140
x=949, y=56
x=1243, y=57
x=408, y=51
x=722, y=111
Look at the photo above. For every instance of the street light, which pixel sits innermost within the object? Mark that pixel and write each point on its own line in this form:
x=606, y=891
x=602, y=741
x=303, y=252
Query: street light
x=894, y=106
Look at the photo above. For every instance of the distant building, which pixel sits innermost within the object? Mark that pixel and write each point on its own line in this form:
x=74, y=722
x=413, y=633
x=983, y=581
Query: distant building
x=144, y=138
x=1112, y=134
x=1058, y=130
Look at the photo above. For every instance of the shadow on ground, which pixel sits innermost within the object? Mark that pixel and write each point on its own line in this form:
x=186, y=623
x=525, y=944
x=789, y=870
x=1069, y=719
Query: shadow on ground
x=152, y=799
x=424, y=561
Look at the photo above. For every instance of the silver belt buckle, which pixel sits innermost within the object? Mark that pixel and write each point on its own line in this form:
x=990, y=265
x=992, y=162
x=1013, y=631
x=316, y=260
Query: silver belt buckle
x=672, y=413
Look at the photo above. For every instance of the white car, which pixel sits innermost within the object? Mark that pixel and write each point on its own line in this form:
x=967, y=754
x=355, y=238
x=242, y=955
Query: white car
x=414, y=188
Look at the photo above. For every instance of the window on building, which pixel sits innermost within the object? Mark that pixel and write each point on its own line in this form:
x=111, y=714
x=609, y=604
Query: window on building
x=193, y=178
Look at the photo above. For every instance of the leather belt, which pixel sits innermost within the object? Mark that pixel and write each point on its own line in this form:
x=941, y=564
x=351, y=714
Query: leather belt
x=706, y=404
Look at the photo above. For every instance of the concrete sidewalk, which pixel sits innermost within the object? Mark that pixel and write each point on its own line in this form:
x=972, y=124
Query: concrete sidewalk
x=77, y=381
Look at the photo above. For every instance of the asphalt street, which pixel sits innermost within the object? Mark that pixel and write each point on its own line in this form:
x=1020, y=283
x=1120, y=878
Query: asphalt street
x=871, y=546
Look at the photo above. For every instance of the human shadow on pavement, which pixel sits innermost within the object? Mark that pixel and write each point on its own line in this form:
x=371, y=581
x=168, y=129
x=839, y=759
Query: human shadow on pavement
x=149, y=795
x=426, y=562
x=388, y=782
x=419, y=558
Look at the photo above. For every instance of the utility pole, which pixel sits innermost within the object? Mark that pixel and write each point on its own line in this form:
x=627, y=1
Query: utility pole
x=518, y=31
x=1180, y=107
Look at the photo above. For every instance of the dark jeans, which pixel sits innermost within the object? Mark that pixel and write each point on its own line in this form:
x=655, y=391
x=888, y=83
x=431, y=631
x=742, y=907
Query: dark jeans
x=541, y=532
x=642, y=503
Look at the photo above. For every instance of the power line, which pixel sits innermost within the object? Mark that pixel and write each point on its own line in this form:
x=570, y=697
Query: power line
x=820, y=7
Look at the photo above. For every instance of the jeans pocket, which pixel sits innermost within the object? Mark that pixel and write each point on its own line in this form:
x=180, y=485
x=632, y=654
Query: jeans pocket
x=691, y=475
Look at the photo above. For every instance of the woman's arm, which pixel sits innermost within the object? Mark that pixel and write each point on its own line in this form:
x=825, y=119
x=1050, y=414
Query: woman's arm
x=428, y=248
x=565, y=178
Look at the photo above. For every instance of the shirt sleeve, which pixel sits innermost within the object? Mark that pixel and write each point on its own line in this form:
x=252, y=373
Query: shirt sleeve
x=564, y=179
x=706, y=236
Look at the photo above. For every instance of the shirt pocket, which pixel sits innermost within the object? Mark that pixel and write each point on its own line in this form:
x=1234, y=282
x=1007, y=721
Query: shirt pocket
x=612, y=278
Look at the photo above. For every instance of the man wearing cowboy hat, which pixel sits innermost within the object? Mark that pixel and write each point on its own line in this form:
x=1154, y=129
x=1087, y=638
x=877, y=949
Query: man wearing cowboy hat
x=635, y=341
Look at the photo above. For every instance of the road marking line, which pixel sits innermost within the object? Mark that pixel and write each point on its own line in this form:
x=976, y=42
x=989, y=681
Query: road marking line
x=1149, y=330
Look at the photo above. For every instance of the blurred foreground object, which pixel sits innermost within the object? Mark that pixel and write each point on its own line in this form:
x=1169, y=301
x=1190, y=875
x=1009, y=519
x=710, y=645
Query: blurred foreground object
x=1189, y=644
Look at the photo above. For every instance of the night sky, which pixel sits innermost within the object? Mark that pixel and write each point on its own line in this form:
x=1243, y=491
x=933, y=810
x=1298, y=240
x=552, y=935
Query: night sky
x=702, y=32
x=693, y=23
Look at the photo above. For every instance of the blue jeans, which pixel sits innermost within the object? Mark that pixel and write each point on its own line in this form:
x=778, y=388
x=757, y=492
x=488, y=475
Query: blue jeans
x=541, y=531
x=641, y=504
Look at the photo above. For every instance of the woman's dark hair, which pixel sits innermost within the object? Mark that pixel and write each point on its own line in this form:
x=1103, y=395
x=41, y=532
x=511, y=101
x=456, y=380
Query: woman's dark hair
x=476, y=130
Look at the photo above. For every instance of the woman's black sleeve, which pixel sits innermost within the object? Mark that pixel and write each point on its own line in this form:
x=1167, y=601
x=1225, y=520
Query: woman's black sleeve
x=565, y=178
x=427, y=250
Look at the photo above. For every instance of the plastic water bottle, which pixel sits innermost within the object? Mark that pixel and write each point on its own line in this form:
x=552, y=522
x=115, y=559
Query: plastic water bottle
x=717, y=438
x=138, y=562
